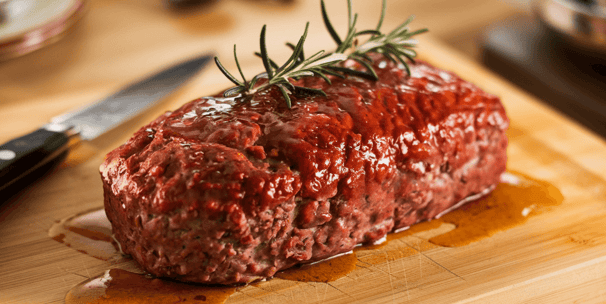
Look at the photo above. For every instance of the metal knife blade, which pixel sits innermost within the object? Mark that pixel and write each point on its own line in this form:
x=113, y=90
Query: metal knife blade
x=94, y=120
x=22, y=155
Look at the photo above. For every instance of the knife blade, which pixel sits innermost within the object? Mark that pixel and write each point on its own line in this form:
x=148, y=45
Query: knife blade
x=22, y=155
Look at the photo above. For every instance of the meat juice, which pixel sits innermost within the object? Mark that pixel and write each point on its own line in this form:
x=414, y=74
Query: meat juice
x=121, y=286
x=511, y=203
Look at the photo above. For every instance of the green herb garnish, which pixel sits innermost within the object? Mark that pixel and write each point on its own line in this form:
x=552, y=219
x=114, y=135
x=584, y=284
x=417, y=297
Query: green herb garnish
x=395, y=45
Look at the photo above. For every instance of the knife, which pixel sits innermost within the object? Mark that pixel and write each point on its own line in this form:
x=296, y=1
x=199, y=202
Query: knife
x=22, y=155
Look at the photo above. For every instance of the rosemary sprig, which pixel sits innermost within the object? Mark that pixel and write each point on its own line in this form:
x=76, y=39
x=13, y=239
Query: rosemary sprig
x=395, y=45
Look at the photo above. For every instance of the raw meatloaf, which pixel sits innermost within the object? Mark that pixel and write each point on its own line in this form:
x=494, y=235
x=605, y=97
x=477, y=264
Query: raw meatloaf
x=228, y=190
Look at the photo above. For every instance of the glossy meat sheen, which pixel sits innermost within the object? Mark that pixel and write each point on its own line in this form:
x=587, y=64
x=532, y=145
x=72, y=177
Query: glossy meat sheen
x=227, y=191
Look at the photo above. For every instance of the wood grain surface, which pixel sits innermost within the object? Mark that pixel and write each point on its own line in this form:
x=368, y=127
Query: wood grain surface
x=558, y=256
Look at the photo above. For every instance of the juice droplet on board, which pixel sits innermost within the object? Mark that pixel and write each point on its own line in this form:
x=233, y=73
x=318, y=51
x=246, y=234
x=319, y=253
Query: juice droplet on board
x=121, y=286
x=89, y=233
x=511, y=203
x=323, y=271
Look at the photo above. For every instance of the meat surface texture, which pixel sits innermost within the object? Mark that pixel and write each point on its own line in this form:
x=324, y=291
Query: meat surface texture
x=228, y=190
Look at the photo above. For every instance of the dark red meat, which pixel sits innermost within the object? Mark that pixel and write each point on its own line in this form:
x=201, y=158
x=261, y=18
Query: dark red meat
x=226, y=191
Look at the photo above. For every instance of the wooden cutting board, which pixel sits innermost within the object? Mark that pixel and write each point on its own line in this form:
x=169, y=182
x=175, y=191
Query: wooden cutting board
x=558, y=256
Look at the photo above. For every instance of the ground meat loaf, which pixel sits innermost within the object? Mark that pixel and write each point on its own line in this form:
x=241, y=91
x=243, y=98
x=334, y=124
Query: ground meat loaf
x=230, y=190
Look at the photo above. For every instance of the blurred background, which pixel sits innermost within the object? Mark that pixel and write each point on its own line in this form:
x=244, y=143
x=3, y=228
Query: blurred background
x=60, y=54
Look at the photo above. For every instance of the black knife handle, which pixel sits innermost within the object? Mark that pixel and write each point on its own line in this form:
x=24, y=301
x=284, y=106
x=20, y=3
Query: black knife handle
x=22, y=155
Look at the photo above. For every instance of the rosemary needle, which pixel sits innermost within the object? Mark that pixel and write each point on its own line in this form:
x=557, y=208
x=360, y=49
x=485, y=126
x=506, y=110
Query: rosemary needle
x=396, y=45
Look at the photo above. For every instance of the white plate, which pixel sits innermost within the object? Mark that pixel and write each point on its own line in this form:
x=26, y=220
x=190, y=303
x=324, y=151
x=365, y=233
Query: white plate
x=31, y=24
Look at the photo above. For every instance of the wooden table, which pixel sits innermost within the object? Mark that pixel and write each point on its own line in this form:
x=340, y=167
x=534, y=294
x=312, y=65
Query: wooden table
x=559, y=256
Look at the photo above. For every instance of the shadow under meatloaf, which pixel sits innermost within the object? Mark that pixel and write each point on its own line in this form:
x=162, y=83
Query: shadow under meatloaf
x=227, y=190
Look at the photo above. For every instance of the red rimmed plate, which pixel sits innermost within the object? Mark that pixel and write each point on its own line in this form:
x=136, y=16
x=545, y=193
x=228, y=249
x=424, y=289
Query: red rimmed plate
x=28, y=25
